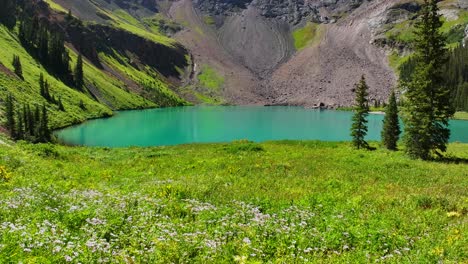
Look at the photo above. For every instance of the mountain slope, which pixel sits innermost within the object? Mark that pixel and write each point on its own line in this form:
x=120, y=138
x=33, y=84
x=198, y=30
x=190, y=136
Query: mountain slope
x=122, y=69
x=304, y=52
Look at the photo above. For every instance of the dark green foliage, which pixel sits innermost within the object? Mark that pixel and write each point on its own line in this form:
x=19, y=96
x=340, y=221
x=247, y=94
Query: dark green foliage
x=44, y=88
x=455, y=75
x=82, y=105
x=8, y=13
x=17, y=66
x=10, y=115
x=69, y=16
x=44, y=134
x=79, y=76
x=427, y=108
x=60, y=104
x=391, y=128
x=46, y=43
x=26, y=124
x=361, y=111
x=20, y=127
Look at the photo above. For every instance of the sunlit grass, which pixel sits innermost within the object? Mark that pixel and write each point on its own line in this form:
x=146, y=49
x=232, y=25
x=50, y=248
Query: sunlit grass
x=277, y=201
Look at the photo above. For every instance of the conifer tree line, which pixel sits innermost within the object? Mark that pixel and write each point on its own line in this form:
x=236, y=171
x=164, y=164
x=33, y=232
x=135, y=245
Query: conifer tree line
x=26, y=123
x=18, y=69
x=44, y=41
x=44, y=90
x=8, y=13
x=454, y=73
x=391, y=128
x=47, y=45
x=427, y=105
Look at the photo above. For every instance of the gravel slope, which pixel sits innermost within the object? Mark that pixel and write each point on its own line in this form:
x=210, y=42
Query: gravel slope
x=325, y=73
x=256, y=57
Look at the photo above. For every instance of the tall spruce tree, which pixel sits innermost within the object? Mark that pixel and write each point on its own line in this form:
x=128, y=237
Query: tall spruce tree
x=391, y=128
x=17, y=66
x=45, y=134
x=361, y=111
x=79, y=76
x=427, y=107
x=10, y=115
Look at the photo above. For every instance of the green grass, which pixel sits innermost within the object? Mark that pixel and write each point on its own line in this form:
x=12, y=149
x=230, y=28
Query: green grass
x=152, y=82
x=402, y=32
x=209, y=20
x=56, y=6
x=123, y=20
x=281, y=202
x=210, y=79
x=306, y=35
x=461, y=115
x=395, y=60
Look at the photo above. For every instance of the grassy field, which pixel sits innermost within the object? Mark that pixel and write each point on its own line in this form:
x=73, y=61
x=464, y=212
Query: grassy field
x=306, y=35
x=285, y=202
x=461, y=115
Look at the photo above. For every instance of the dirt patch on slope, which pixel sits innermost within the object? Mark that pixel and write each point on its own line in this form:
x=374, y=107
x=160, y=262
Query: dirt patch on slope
x=7, y=71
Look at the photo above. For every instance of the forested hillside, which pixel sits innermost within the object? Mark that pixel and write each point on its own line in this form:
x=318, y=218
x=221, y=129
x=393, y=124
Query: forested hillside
x=119, y=69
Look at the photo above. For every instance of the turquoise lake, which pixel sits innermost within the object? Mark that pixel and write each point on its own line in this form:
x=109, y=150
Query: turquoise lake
x=200, y=124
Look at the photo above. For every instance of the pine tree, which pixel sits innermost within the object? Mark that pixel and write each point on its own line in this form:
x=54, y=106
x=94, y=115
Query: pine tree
x=20, y=127
x=391, y=128
x=45, y=135
x=43, y=44
x=69, y=16
x=79, y=76
x=427, y=106
x=361, y=111
x=82, y=105
x=60, y=104
x=10, y=115
x=17, y=66
x=41, y=85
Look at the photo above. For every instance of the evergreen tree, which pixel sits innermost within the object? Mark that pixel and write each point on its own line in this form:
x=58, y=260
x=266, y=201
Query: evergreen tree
x=45, y=134
x=43, y=44
x=361, y=111
x=79, y=76
x=82, y=105
x=69, y=16
x=427, y=107
x=391, y=128
x=26, y=121
x=20, y=127
x=44, y=88
x=60, y=104
x=8, y=13
x=10, y=115
x=17, y=66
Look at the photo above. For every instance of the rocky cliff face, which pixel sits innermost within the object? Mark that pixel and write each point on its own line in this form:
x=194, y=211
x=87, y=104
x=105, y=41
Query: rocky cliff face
x=292, y=11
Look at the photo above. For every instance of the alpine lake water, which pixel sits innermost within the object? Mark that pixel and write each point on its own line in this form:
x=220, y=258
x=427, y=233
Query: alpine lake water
x=202, y=124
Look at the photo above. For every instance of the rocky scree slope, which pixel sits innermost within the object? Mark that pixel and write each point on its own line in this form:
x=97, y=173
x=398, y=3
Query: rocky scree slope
x=346, y=39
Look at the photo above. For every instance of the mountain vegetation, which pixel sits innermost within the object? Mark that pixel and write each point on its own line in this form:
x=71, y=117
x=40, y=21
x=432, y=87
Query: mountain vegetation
x=427, y=106
x=81, y=74
x=391, y=126
x=361, y=111
x=291, y=201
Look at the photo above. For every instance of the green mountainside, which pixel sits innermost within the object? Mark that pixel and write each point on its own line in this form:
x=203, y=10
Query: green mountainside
x=128, y=64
